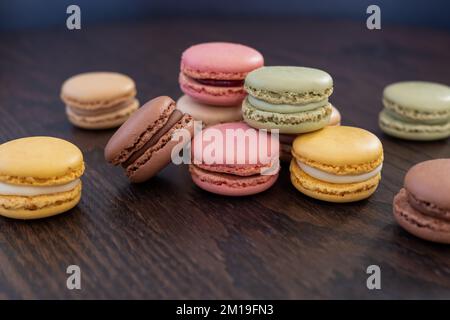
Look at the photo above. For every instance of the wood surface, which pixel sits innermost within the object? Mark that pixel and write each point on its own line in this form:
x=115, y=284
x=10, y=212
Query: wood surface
x=168, y=239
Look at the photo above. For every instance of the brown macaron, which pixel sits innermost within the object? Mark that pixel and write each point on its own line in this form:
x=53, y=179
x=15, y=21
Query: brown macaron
x=143, y=144
x=422, y=207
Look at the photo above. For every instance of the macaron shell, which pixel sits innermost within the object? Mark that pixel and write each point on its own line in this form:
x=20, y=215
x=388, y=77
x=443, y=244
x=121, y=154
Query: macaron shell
x=220, y=60
x=412, y=131
x=151, y=115
x=290, y=123
x=40, y=161
x=220, y=96
x=159, y=156
x=214, y=183
x=277, y=82
x=208, y=114
x=331, y=192
x=104, y=121
x=429, y=181
x=339, y=150
x=418, y=224
x=37, y=207
x=248, y=150
x=419, y=96
x=97, y=89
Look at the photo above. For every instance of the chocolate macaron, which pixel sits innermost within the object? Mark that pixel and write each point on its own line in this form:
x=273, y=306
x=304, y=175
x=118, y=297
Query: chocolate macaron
x=143, y=144
x=422, y=207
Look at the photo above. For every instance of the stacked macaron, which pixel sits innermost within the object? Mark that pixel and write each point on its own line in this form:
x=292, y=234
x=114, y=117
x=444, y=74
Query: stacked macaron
x=39, y=177
x=422, y=207
x=291, y=99
x=99, y=100
x=337, y=164
x=212, y=79
x=416, y=110
x=239, y=161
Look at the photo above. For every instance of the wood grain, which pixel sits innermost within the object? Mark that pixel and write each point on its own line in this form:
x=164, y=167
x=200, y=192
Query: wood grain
x=167, y=238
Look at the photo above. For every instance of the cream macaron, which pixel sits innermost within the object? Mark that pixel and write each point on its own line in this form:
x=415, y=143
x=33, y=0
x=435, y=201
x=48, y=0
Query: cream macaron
x=99, y=100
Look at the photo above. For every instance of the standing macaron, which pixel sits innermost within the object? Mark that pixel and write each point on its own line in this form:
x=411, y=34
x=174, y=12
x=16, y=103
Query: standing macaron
x=291, y=99
x=143, y=144
x=209, y=115
x=99, y=100
x=214, y=72
x=416, y=110
x=39, y=177
x=422, y=207
x=337, y=164
x=233, y=159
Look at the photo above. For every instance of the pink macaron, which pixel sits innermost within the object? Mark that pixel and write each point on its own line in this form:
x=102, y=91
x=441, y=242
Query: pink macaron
x=234, y=159
x=214, y=72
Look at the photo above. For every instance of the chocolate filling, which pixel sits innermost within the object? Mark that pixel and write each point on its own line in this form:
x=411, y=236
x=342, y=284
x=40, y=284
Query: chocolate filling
x=221, y=83
x=173, y=119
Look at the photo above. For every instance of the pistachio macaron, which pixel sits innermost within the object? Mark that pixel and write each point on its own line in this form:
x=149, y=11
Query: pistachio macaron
x=39, y=177
x=99, y=100
x=337, y=164
x=416, y=110
x=290, y=99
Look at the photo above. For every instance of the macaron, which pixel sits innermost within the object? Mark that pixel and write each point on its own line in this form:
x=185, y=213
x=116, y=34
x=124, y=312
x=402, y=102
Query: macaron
x=99, y=100
x=214, y=72
x=335, y=118
x=143, y=144
x=422, y=207
x=39, y=177
x=208, y=114
x=416, y=110
x=233, y=159
x=337, y=164
x=290, y=99
x=287, y=139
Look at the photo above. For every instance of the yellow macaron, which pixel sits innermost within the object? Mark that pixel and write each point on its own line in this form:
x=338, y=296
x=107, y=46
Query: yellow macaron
x=337, y=164
x=39, y=177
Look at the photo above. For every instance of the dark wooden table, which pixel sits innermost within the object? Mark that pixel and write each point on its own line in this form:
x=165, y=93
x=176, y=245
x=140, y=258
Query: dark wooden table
x=168, y=239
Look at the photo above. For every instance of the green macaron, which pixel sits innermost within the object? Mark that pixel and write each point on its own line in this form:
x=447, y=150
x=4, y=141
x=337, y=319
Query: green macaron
x=291, y=99
x=416, y=110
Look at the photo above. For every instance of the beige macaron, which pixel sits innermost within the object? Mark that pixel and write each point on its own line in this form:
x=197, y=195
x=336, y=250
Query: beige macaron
x=208, y=114
x=99, y=100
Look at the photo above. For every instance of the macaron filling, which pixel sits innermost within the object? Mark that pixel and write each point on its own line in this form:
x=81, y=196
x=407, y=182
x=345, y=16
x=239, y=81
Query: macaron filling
x=220, y=83
x=83, y=112
x=285, y=108
x=388, y=121
x=7, y=189
x=410, y=114
x=338, y=179
x=173, y=119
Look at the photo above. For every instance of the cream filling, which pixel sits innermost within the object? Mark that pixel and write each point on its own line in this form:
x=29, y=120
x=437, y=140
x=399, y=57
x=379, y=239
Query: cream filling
x=285, y=108
x=334, y=178
x=7, y=189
